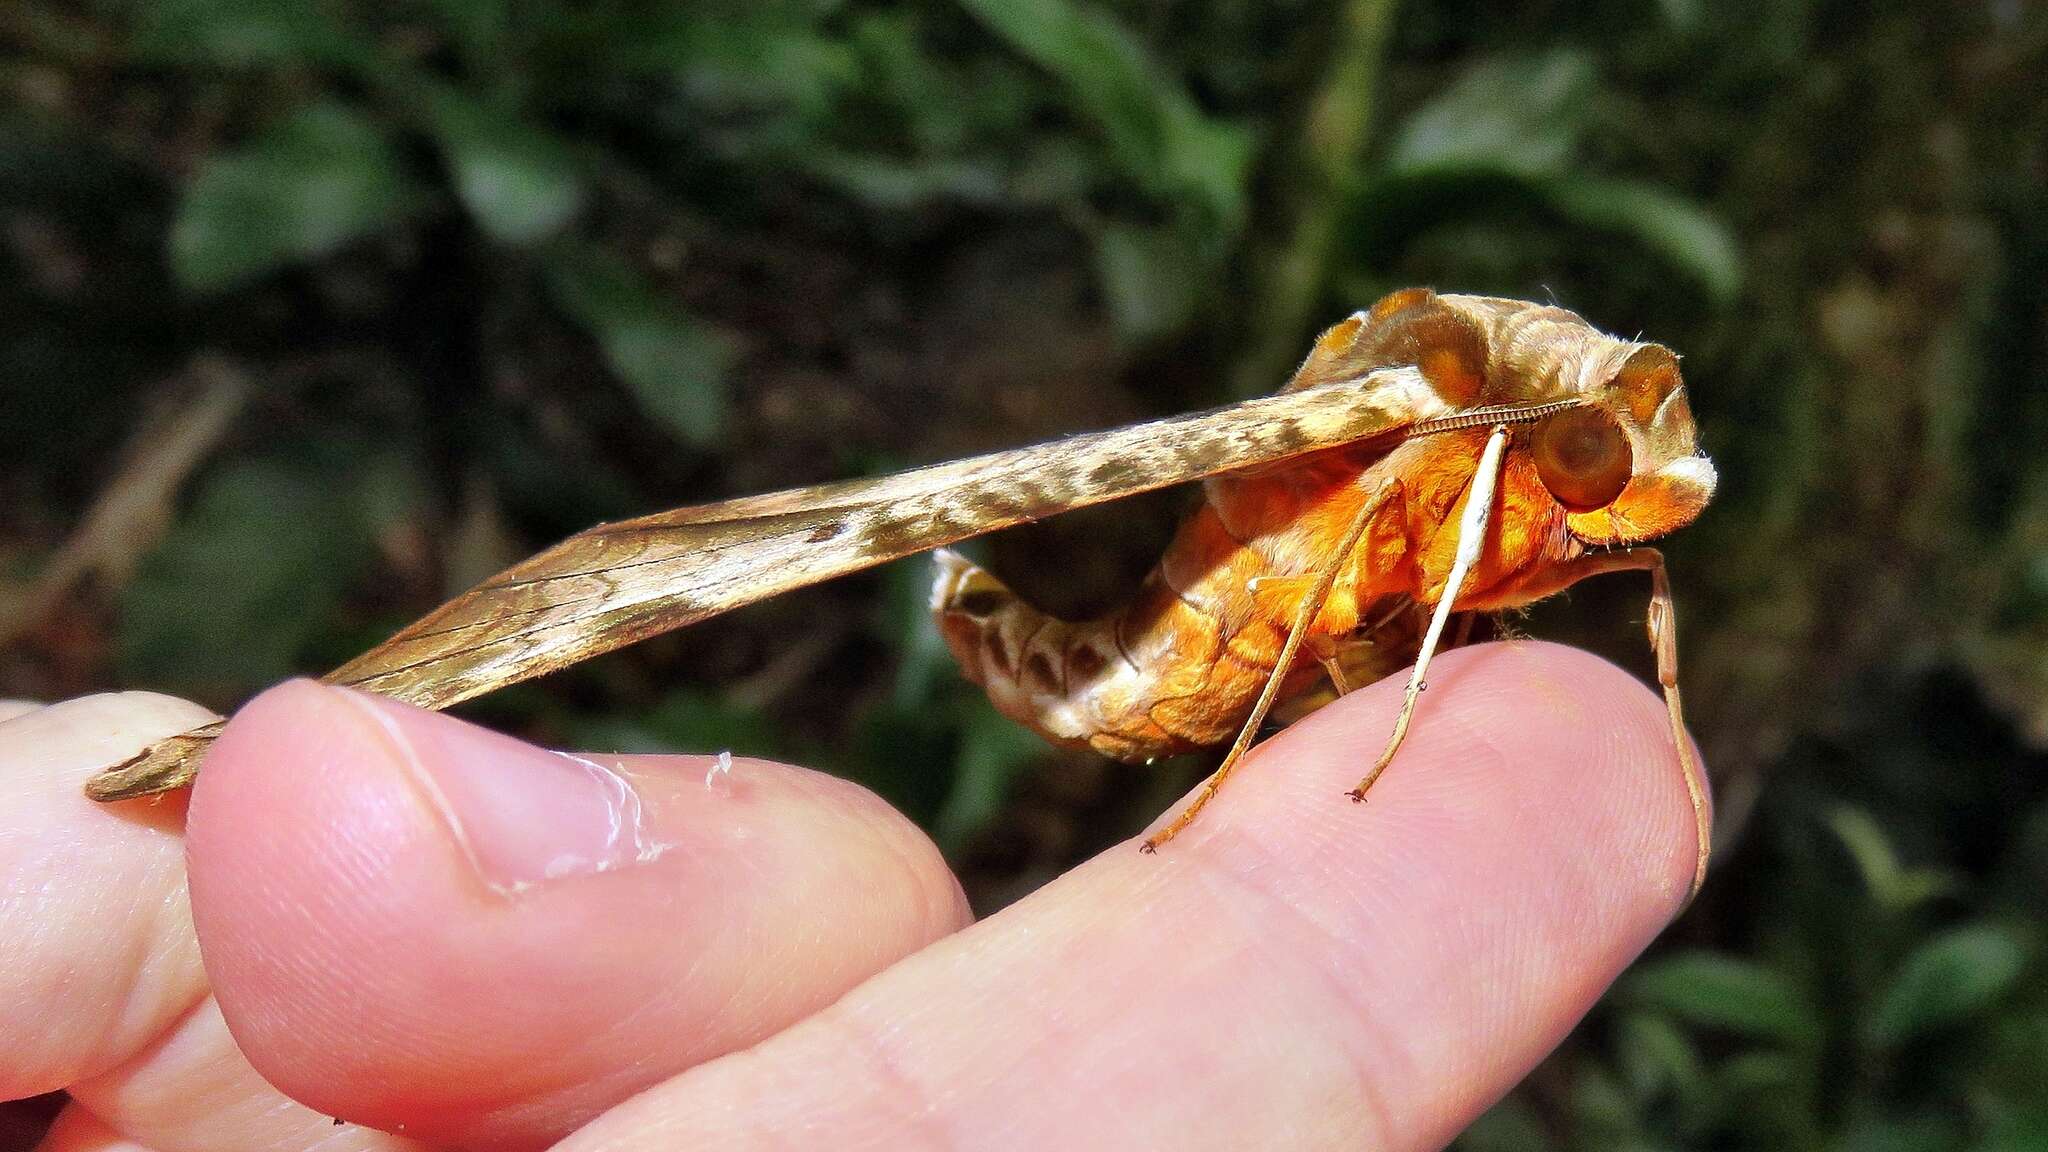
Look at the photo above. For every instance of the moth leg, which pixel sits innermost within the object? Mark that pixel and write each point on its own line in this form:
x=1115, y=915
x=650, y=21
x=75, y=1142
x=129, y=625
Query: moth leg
x=1266, y=591
x=1471, y=538
x=1340, y=656
x=1327, y=654
x=1311, y=606
x=1662, y=624
x=1465, y=622
x=1323, y=649
x=1271, y=592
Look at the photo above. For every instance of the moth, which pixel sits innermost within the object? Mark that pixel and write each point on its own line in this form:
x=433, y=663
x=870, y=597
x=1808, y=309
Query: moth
x=1433, y=455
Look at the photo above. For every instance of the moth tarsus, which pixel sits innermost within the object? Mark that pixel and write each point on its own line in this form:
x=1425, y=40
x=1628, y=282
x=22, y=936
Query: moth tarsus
x=1375, y=441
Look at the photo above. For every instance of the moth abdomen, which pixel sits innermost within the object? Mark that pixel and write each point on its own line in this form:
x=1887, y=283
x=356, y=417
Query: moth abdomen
x=1135, y=685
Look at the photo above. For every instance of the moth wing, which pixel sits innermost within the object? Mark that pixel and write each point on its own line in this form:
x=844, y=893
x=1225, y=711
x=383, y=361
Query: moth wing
x=618, y=583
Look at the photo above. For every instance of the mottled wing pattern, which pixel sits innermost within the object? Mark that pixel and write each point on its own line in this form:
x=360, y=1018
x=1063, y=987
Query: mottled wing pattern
x=619, y=583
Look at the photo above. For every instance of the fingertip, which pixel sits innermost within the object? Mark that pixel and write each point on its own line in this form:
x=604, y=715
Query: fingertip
x=1531, y=837
x=77, y=737
x=1599, y=764
x=99, y=952
x=1522, y=757
x=412, y=921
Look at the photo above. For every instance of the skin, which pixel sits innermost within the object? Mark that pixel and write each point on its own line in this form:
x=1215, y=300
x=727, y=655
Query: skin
x=797, y=963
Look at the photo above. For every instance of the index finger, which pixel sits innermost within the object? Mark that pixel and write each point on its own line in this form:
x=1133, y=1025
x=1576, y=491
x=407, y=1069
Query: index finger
x=96, y=948
x=1296, y=971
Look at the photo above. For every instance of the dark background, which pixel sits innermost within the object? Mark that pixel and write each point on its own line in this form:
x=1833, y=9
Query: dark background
x=313, y=313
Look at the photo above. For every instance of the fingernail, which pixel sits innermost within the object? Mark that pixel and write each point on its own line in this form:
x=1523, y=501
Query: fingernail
x=523, y=814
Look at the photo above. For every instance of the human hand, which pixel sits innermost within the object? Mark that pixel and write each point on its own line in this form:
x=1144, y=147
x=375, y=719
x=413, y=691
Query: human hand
x=776, y=959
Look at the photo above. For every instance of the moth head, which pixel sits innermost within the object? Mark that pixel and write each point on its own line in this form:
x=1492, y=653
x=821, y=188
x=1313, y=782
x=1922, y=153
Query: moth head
x=1626, y=465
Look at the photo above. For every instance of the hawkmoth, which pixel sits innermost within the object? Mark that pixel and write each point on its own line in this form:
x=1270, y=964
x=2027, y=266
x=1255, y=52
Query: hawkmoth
x=1434, y=453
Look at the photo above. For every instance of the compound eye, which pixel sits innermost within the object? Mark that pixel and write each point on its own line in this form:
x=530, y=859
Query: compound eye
x=1583, y=457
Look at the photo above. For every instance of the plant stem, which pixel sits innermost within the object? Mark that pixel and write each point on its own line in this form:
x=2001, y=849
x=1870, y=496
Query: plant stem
x=1319, y=169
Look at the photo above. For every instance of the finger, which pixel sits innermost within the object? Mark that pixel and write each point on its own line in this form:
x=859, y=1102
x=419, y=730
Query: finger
x=192, y=1091
x=410, y=921
x=96, y=947
x=1297, y=971
x=77, y=1130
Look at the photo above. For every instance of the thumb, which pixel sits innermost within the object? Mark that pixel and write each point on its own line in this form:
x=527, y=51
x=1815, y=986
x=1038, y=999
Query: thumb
x=420, y=925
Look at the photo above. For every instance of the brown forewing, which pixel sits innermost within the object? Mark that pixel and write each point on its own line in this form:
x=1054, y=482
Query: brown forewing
x=619, y=583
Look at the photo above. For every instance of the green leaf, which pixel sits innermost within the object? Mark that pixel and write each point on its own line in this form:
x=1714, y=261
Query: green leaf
x=2008, y=1050
x=742, y=65
x=519, y=183
x=2022, y=1129
x=1150, y=278
x=482, y=29
x=1157, y=134
x=1891, y=884
x=323, y=177
x=913, y=86
x=883, y=182
x=1674, y=228
x=683, y=721
x=1517, y=115
x=1600, y=1110
x=2022, y=872
x=1766, y=1094
x=1722, y=992
x=676, y=367
x=254, y=569
x=993, y=750
x=1655, y=1057
x=1210, y=161
x=1873, y=1130
x=924, y=667
x=674, y=364
x=1683, y=16
x=1869, y=847
x=1946, y=980
x=1106, y=69
x=1756, y=1076
x=1509, y=1126
x=246, y=33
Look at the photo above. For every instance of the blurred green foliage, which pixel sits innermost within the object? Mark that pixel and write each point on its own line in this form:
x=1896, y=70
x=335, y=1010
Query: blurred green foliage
x=500, y=270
